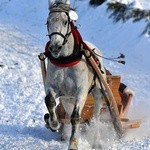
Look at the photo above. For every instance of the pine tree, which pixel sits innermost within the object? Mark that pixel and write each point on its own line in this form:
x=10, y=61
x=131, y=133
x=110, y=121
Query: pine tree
x=124, y=12
x=97, y=2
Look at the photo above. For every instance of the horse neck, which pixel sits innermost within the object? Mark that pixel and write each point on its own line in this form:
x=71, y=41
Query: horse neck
x=68, y=48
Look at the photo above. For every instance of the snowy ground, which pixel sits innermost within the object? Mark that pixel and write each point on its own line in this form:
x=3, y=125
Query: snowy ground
x=22, y=38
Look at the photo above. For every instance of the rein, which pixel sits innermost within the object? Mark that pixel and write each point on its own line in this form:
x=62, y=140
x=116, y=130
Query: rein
x=65, y=37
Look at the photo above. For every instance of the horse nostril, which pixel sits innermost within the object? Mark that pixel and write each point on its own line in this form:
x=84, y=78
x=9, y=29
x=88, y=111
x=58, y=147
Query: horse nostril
x=59, y=47
x=55, y=47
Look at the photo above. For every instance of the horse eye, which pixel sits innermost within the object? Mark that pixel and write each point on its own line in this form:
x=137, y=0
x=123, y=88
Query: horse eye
x=65, y=23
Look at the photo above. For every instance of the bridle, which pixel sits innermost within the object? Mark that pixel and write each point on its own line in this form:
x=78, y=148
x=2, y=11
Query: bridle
x=59, y=7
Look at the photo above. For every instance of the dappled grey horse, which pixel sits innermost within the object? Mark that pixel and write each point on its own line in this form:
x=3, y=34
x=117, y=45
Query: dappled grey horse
x=69, y=74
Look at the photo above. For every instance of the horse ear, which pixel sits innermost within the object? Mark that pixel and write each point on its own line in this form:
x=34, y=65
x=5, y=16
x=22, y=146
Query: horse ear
x=51, y=2
x=67, y=2
x=64, y=1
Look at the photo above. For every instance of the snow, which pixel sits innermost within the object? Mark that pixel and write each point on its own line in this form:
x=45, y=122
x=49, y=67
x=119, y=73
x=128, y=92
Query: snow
x=23, y=36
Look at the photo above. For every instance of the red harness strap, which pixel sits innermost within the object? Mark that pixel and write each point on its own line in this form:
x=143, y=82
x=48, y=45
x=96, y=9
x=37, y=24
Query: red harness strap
x=66, y=64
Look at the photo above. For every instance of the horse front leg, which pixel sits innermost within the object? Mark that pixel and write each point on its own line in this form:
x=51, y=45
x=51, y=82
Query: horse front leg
x=51, y=118
x=75, y=119
x=75, y=125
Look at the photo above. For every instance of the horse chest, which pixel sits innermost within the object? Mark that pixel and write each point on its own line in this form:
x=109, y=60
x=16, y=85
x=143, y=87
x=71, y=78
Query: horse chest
x=64, y=81
x=67, y=81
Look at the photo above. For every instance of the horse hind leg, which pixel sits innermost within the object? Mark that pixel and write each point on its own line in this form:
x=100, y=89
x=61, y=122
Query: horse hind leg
x=51, y=118
x=97, y=95
x=98, y=100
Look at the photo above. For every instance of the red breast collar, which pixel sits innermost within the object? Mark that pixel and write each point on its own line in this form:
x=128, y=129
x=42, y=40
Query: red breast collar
x=71, y=60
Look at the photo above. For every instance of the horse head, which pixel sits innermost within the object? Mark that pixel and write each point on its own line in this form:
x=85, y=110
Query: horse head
x=58, y=25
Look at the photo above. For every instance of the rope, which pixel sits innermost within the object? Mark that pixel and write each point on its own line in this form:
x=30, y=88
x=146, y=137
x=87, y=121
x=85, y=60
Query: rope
x=112, y=59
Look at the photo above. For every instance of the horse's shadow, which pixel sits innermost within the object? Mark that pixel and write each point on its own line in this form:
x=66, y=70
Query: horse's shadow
x=39, y=132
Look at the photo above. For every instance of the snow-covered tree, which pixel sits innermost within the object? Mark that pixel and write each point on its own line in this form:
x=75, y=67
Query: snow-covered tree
x=97, y=2
x=123, y=10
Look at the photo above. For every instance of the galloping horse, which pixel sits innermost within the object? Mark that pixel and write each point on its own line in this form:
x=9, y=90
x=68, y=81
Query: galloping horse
x=69, y=74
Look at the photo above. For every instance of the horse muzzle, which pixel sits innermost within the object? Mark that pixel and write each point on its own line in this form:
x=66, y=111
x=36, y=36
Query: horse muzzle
x=55, y=50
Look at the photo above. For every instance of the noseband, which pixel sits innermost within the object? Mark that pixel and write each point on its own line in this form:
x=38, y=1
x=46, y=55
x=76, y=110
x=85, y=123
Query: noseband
x=65, y=37
x=60, y=8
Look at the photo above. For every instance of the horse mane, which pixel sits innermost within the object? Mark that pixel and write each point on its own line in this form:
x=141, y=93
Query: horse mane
x=59, y=6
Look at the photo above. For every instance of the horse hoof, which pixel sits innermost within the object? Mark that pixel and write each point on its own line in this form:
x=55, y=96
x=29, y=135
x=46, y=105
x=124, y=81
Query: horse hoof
x=53, y=126
x=73, y=145
x=73, y=148
x=46, y=117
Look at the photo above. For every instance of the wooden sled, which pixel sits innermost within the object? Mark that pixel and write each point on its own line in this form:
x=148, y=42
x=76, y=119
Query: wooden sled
x=122, y=100
x=117, y=104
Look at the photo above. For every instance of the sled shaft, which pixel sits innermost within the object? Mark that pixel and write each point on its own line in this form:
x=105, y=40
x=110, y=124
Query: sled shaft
x=113, y=106
x=43, y=66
